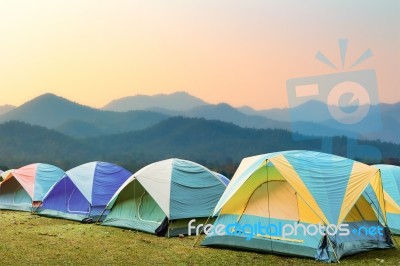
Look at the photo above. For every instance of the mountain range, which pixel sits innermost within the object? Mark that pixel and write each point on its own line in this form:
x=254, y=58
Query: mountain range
x=77, y=120
x=6, y=108
x=218, y=145
x=311, y=118
x=54, y=129
x=179, y=101
x=138, y=112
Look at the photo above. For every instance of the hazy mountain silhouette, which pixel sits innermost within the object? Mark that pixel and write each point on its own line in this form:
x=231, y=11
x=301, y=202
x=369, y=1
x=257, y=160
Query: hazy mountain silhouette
x=391, y=110
x=80, y=129
x=308, y=111
x=51, y=111
x=211, y=142
x=21, y=144
x=280, y=114
x=388, y=120
x=178, y=101
x=311, y=118
x=6, y=108
x=226, y=113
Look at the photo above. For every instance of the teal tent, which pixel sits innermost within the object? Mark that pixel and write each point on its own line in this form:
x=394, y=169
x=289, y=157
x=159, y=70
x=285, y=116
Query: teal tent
x=162, y=197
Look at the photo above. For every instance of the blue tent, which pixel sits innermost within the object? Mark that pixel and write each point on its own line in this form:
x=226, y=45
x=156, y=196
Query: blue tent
x=391, y=186
x=84, y=191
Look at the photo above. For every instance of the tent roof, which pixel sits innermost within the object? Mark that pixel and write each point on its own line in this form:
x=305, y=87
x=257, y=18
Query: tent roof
x=6, y=174
x=98, y=181
x=391, y=181
x=329, y=184
x=161, y=180
x=223, y=178
x=36, y=178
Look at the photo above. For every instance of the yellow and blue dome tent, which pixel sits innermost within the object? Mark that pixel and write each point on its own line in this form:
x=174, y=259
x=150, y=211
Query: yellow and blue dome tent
x=162, y=197
x=391, y=186
x=301, y=203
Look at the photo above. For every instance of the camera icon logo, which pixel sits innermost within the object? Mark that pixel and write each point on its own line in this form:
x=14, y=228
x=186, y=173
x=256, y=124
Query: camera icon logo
x=337, y=104
x=358, y=102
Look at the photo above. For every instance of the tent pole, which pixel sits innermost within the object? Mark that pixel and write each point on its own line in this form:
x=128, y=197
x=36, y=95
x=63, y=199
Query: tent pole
x=36, y=208
x=237, y=220
x=32, y=207
x=269, y=211
x=394, y=239
x=101, y=215
x=334, y=253
x=384, y=205
x=355, y=205
x=377, y=210
x=169, y=223
x=201, y=231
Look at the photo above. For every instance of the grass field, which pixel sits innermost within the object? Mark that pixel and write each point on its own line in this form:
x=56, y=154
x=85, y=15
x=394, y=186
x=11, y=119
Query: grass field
x=34, y=240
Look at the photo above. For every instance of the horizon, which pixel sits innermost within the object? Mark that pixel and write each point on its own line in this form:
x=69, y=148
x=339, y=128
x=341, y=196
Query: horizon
x=236, y=52
x=158, y=94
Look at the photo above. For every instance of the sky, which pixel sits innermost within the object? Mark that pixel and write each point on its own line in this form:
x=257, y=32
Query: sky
x=236, y=51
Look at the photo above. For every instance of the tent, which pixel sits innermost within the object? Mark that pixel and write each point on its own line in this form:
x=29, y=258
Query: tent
x=301, y=203
x=162, y=197
x=84, y=191
x=5, y=174
x=24, y=188
x=391, y=186
x=223, y=178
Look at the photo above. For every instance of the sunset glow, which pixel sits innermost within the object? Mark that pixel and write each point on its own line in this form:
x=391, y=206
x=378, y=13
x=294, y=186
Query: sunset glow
x=239, y=52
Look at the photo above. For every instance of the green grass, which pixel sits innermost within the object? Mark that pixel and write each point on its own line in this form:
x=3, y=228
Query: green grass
x=34, y=240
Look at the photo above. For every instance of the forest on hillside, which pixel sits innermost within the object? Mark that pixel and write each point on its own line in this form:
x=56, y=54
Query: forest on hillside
x=215, y=144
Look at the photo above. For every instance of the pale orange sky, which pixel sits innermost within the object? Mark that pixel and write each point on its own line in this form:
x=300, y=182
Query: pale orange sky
x=239, y=52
